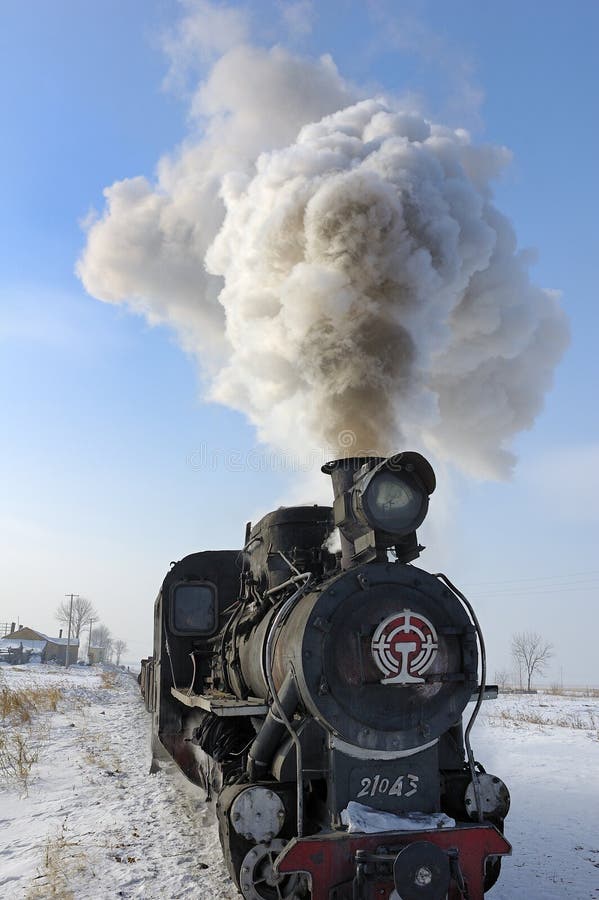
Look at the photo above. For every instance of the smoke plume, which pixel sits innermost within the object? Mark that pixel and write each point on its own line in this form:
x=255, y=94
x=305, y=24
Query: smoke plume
x=338, y=268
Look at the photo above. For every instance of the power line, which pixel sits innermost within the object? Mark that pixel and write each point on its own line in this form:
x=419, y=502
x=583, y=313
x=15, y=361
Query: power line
x=530, y=592
x=588, y=573
x=539, y=586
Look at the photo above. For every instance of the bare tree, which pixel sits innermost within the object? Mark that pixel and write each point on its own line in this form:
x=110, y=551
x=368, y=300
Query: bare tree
x=119, y=648
x=83, y=613
x=517, y=673
x=531, y=653
x=502, y=677
x=102, y=639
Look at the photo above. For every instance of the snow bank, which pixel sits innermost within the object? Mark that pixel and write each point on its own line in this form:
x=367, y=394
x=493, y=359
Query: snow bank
x=546, y=749
x=93, y=823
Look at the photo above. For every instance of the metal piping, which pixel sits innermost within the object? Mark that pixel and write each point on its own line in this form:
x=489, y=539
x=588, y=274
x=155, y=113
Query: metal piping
x=481, y=692
x=289, y=563
x=168, y=653
x=278, y=620
x=293, y=580
x=268, y=738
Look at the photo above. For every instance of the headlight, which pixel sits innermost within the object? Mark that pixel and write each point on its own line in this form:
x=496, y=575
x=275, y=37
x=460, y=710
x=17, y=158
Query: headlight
x=393, y=503
x=391, y=497
x=379, y=503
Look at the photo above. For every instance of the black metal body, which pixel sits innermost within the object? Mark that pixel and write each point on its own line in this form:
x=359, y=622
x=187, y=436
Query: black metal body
x=296, y=666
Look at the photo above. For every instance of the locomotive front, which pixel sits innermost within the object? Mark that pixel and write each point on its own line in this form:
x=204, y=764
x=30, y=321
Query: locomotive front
x=342, y=769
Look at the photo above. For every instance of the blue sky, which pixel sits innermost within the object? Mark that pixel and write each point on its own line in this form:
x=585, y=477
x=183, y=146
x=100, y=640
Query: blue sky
x=102, y=413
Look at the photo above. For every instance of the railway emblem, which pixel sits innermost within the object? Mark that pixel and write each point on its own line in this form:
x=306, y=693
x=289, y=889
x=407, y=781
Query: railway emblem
x=403, y=646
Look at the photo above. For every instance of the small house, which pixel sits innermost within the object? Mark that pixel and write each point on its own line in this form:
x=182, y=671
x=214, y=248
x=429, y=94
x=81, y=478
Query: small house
x=50, y=649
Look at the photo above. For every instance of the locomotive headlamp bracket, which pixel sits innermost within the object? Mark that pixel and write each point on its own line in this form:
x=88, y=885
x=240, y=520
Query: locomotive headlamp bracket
x=384, y=503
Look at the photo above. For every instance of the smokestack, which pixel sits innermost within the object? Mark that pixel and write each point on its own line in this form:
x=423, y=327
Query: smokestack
x=342, y=472
x=12, y=627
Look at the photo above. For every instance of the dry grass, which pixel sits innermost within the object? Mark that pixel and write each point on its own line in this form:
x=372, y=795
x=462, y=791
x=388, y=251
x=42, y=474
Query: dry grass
x=521, y=717
x=108, y=679
x=19, y=705
x=19, y=751
x=22, y=732
x=575, y=720
x=555, y=689
x=99, y=752
x=62, y=860
x=104, y=758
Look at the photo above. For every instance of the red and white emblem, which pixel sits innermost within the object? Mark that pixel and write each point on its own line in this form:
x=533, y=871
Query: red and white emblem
x=403, y=647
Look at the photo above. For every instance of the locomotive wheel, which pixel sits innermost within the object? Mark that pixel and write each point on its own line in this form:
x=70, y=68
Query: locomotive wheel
x=492, y=871
x=257, y=877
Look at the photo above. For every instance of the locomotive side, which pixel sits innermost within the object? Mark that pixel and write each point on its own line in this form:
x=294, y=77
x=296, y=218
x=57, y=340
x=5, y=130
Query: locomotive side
x=317, y=697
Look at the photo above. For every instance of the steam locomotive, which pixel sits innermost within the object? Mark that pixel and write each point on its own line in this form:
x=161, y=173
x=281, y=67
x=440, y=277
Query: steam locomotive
x=317, y=696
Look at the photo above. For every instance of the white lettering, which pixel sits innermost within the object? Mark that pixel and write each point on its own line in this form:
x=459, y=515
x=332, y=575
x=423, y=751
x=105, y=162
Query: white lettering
x=403, y=786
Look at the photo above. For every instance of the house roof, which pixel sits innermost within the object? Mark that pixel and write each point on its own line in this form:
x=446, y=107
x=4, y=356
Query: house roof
x=74, y=642
x=9, y=643
x=16, y=636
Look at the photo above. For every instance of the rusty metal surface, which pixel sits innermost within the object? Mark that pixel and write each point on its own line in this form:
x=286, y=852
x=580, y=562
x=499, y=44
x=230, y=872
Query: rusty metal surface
x=330, y=859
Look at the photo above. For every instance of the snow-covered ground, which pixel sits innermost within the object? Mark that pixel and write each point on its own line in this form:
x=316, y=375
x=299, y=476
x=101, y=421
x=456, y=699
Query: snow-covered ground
x=93, y=824
x=546, y=749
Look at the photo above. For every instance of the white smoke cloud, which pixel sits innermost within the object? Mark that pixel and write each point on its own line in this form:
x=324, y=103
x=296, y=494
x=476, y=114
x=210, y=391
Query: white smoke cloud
x=338, y=268
x=298, y=16
x=148, y=248
x=400, y=30
x=204, y=32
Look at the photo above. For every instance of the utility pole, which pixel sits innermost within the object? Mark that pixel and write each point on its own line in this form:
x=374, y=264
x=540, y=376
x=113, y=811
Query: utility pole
x=66, y=662
x=89, y=645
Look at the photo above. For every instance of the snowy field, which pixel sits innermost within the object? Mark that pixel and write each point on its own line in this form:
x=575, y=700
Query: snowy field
x=92, y=823
x=85, y=820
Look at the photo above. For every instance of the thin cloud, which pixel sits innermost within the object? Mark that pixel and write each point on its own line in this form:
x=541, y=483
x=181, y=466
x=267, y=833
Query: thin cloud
x=404, y=30
x=298, y=17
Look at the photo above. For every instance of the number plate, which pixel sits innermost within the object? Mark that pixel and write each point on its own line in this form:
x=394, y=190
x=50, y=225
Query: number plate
x=377, y=784
x=410, y=784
